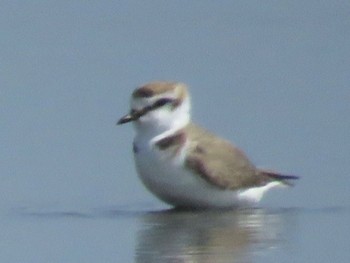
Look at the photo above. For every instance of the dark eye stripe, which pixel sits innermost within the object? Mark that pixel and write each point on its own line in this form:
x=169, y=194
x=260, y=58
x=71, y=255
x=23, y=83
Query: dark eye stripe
x=162, y=102
x=159, y=103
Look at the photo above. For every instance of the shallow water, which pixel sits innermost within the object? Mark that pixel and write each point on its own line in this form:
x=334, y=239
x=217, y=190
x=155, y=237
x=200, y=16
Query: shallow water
x=159, y=235
x=270, y=76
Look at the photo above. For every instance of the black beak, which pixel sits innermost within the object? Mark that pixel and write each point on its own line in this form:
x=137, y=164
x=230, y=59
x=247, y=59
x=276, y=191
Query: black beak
x=134, y=115
x=127, y=118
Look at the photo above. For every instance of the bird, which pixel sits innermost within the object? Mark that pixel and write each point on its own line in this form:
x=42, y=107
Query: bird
x=185, y=165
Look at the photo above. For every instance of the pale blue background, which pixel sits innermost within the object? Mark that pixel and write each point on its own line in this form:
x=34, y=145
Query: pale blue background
x=271, y=76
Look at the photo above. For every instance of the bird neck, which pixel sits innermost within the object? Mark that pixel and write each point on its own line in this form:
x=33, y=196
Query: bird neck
x=164, y=122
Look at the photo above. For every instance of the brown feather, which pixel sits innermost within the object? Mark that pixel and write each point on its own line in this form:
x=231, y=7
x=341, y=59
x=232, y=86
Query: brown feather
x=220, y=163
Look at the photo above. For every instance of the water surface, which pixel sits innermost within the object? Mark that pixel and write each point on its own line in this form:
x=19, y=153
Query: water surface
x=163, y=235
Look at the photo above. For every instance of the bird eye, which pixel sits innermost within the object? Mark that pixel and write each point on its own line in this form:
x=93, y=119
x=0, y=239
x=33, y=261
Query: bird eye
x=162, y=102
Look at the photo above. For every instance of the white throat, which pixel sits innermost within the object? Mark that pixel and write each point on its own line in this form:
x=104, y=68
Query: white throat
x=163, y=121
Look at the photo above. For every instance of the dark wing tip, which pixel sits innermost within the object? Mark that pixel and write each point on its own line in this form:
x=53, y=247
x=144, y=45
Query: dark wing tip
x=285, y=179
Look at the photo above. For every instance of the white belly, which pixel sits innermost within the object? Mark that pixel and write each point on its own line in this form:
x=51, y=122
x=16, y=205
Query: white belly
x=166, y=177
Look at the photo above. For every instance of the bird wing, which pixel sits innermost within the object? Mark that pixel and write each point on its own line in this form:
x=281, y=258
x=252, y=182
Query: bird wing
x=219, y=162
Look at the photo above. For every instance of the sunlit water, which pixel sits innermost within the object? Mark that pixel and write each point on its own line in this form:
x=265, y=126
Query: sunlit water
x=151, y=234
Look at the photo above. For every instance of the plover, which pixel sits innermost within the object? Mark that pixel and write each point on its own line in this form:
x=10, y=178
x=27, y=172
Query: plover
x=185, y=165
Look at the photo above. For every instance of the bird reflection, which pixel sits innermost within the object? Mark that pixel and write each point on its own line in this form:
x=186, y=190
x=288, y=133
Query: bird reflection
x=204, y=236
